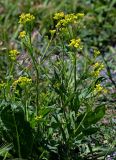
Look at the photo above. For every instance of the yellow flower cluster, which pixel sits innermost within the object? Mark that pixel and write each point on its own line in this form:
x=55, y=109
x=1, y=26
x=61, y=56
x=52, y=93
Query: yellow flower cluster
x=75, y=43
x=24, y=18
x=22, y=34
x=64, y=20
x=52, y=31
x=37, y=118
x=99, y=88
x=59, y=15
x=22, y=82
x=97, y=69
x=13, y=54
x=96, y=52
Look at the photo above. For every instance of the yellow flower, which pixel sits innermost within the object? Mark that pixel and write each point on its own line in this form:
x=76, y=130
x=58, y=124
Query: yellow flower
x=52, y=31
x=70, y=17
x=22, y=34
x=24, y=18
x=98, y=88
x=96, y=73
x=22, y=82
x=76, y=43
x=97, y=67
x=96, y=52
x=105, y=91
x=64, y=20
x=37, y=118
x=59, y=15
x=13, y=54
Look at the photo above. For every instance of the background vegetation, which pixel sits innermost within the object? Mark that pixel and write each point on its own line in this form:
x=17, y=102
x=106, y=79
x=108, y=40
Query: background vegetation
x=51, y=117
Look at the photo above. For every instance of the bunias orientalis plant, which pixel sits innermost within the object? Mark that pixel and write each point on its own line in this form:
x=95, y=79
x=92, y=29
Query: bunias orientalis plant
x=27, y=21
x=66, y=108
x=76, y=84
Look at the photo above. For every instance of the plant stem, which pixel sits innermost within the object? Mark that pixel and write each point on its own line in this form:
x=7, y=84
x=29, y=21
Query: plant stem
x=109, y=72
x=81, y=122
x=30, y=49
x=75, y=72
x=17, y=135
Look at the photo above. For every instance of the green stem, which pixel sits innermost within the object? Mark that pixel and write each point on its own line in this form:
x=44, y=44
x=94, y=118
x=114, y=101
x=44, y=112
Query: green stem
x=11, y=69
x=75, y=72
x=17, y=135
x=109, y=72
x=26, y=103
x=81, y=122
x=30, y=50
x=37, y=83
x=47, y=48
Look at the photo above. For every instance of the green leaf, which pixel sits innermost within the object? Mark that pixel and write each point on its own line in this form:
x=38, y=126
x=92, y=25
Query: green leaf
x=90, y=131
x=4, y=149
x=99, y=113
x=79, y=123
x=94, y=116
x=44, y=111
x=18, y=129
x=99, y=80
